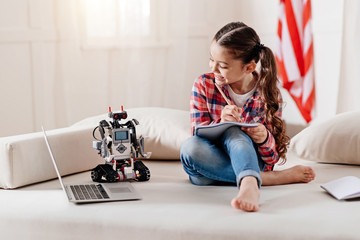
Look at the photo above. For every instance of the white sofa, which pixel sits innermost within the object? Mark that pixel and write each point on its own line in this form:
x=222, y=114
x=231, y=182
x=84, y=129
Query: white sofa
x=171, y=207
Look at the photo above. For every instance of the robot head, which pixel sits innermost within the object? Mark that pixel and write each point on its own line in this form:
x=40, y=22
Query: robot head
x=118, y=116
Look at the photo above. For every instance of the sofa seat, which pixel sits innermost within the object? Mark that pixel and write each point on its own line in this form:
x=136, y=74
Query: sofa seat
x=173, y=208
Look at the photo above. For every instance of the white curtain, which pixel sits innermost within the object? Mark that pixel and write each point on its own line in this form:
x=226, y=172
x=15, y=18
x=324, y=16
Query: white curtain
x=349, y=84
x=90, y=78
x=51, y=75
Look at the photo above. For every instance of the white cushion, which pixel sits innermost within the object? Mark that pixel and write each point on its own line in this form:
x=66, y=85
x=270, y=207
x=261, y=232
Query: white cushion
x=24, y=159
x=164, y=129
x=336, y=140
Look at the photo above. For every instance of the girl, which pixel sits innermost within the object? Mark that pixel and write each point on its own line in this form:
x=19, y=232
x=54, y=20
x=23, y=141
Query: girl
x=244, y=156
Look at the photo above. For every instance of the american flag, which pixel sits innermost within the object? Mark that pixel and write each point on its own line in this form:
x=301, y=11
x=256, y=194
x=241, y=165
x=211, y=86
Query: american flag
x=295, y=54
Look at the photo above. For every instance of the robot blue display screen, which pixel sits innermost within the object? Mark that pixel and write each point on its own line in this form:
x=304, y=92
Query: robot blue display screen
x=121, y=135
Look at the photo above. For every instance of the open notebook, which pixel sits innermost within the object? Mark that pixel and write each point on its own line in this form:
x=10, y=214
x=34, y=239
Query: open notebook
x=343, y=188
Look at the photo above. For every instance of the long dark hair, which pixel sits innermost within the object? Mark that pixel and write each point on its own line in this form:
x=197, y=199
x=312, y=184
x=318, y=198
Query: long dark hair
x=244, y=44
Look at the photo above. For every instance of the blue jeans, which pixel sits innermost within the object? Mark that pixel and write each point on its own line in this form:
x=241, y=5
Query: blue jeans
x=228, y=160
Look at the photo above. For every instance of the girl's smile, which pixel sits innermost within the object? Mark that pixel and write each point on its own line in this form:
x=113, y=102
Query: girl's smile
x=219, y=79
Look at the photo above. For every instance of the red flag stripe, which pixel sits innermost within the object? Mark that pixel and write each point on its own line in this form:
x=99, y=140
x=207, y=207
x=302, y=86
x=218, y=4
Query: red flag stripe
x=279, y=29
x=309, y=104
x=282, y=71
x=295, y=36
x=307, y=13
x=309, y=56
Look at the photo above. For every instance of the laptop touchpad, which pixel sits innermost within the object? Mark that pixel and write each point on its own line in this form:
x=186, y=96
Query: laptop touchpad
x=120, y=190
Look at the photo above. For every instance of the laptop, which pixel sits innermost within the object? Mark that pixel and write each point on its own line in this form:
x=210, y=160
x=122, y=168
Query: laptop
x=94, y=192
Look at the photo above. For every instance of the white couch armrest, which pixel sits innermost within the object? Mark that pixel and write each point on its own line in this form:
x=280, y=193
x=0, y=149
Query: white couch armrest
x=24, y=159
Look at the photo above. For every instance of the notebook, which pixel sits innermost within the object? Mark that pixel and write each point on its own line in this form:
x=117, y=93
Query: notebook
x=343, y=188
x=94, y=192
x=214, y=131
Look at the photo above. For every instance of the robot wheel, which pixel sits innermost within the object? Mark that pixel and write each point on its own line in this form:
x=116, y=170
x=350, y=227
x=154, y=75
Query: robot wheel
x=106, y=171
x=144, y=172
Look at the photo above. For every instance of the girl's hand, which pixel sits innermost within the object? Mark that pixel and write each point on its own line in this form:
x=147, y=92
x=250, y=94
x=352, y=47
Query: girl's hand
x=258, y=134
x=230, y=113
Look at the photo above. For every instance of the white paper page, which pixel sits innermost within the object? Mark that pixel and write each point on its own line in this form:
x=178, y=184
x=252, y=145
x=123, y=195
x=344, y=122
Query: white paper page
x=343, y=188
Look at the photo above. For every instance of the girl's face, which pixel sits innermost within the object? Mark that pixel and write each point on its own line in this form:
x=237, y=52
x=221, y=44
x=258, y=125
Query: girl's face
x=226, y=69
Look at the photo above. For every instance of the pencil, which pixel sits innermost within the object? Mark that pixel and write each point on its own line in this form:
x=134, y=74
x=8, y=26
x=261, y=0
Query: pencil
x=223, y=94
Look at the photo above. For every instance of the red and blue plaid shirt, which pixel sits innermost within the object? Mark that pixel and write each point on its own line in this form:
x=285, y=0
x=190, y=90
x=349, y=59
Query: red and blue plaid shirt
x=206, y=104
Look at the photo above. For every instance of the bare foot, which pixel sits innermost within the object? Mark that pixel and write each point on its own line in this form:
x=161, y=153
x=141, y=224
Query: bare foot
x=296, y=174
x=301, y=174
x=248, y=196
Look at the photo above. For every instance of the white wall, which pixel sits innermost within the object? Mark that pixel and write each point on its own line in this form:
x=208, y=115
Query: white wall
x=328, y=29
x=27, y=47
x=48, y=77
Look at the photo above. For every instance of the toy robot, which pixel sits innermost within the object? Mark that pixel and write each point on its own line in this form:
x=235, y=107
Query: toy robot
x=119, y=148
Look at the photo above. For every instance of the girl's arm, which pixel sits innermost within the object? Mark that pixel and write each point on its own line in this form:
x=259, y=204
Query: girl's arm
x=200, y=113
x=267, y=149
x=265, y=141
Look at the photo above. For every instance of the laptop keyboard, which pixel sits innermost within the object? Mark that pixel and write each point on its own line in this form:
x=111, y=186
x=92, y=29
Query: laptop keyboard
x=89, y=192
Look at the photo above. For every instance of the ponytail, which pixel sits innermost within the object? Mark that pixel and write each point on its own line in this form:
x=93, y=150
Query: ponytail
x=270, y=92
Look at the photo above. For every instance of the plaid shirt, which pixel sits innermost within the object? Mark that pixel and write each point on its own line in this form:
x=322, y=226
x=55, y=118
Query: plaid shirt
x=206, y=104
